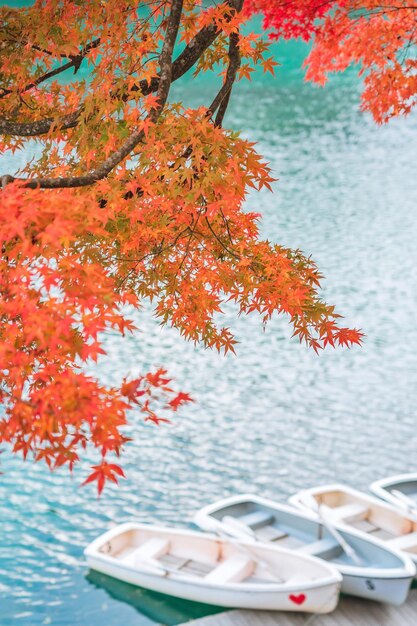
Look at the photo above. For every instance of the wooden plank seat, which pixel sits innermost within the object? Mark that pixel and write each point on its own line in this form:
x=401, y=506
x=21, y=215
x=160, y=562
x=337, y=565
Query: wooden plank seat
x=155, y=552
x=353, y=512
x=233, y=570
x=147, y=552
x=356, y=515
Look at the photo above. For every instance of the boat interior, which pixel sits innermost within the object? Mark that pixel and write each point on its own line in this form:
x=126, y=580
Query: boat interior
x=396, y=529
x=407, y=488
x=215, y=561
x=293, y=531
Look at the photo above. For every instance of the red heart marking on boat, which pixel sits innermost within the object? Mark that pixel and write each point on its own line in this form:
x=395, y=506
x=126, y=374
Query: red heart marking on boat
x=300, y=599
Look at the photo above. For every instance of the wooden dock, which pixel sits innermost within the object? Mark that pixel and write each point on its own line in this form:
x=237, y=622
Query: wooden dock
x=350, y=612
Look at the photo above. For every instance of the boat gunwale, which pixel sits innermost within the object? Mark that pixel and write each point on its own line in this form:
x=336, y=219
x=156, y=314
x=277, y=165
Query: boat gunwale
x=294, y=499
x=380, y=490
x=408, y=570
x=409, y=559
x=92, y=551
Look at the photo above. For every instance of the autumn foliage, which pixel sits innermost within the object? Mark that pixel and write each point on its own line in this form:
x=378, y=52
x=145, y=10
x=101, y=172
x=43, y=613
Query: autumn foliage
x=379, y=37
x=130, y=198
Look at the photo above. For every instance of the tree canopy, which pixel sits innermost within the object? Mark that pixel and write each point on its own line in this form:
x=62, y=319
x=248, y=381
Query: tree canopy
x=379, y=37
x=132, y=197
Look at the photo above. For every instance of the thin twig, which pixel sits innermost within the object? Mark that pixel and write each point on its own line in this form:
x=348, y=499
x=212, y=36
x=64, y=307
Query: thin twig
x=75, y=62
x=100, y=172
x=188, y=57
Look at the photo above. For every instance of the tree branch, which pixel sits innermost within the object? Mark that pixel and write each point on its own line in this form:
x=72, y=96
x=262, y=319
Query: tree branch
x=185, y=61
x=188, y=57
x=75, y=62
x=221, y=100
x=165, y=64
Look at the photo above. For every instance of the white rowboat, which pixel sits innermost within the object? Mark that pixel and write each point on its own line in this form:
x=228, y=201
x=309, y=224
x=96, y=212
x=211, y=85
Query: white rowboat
x=219, y=571
x=374, y=518
x=369, y=568
x=400, y=491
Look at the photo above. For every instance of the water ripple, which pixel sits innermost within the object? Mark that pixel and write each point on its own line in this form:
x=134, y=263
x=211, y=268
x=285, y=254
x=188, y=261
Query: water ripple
x=277, y=417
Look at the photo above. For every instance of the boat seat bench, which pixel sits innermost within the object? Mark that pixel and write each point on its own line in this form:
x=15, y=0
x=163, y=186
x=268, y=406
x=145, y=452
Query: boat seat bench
x=233, y=570
x=257, y=519
x=270, y=533
x=320, y=548
x=151, y=549
x=353, y=512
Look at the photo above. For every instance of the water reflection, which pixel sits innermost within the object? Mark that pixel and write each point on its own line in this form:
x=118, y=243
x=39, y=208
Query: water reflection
x=157, y=607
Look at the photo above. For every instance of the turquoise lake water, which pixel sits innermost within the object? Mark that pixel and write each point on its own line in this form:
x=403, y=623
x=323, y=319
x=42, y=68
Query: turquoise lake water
x=277, y=417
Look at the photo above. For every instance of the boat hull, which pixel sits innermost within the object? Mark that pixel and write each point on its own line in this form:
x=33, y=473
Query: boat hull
x=387, y=590
x=321, y=600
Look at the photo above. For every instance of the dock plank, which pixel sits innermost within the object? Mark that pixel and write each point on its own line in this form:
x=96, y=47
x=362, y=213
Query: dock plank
x=350, y=612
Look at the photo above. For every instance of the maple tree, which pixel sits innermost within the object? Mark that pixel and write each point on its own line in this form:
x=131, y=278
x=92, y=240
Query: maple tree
x=130, y=198
x=378, y=36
